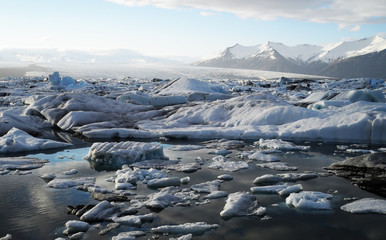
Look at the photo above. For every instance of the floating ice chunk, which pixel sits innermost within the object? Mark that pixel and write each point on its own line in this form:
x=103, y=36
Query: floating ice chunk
x=129, y=235
x=184, y=167
x=280, y=145
x=241, y=204
x=293, y=177
x=309, y=200
x=156, y=101
x=6, y=237
x=63, y=183
x=164, y=182
x=54, y=78
x=219, y=162
x=224, y=144
x=279, y=166
x=133, y=220
x=291, y=189
x=17, y=140
x=70, y=172
x=366, y=205
x=225, y=177
x=101, y=212
x=75, y=226
x=222, y=152
x=206, y=187
x=184, y=237
x=269, y=189
x=267, y=178
x=48, y=176
x=185, y=147
x=118, y=154
x=216, y=194
x=170, y=196
x=260, y=156
x=185, y=180
x=196, y=228
x=21, y=163
x=132, y=176
x=157, y=164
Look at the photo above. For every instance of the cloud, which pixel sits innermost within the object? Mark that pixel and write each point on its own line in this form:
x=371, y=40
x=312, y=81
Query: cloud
x=355, y=28
x=204, y=13
x=343, y=12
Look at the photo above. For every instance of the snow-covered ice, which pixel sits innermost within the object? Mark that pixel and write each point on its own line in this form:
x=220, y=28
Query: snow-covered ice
x=279, y=145
x=75, y=226
x=164, y=182
x=21, y=163
x=366, y=205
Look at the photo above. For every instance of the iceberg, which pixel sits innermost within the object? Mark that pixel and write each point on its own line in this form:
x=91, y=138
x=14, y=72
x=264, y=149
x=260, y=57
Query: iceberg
x=309, y=200
x=366, y=205
x=206, y=187
x=62, y=183
x=241, y=204
x=117, y=154
x=17, y=140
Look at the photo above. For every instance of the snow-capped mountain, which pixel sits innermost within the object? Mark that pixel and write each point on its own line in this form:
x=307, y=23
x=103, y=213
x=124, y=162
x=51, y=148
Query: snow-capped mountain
x=310, y=59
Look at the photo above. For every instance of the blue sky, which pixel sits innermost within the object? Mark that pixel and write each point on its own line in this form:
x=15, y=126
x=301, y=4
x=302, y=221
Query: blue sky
x=192, y=28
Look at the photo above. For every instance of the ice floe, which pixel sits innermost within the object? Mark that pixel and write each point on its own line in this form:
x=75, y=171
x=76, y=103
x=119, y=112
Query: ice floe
x=63, y=183
x=279, y=145
x=101, y=212
x=164, y=182
x=283, y=189
x=241, y=204
x=17, y=140
x=21, y=163
x=366, y=205
x=309, y=200
x=221, y=163
x=129, y=235
x=216, y=194
x=206, y=187
x=170, y=196
x=196, y=228
x=278, y=166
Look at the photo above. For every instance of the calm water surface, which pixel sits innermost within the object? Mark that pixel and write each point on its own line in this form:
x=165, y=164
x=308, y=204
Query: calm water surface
x=31, y=210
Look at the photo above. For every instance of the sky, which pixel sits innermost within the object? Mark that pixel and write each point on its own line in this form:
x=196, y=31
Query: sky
x=189, y=28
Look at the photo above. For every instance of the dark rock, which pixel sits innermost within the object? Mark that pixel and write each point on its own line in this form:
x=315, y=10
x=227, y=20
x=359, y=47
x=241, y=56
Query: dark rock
x=111, y=197
x=79, y=210
x=367, y=172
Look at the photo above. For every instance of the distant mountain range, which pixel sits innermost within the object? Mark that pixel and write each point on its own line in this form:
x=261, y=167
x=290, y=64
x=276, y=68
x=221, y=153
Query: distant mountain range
x=347, y=59
x=75, y=56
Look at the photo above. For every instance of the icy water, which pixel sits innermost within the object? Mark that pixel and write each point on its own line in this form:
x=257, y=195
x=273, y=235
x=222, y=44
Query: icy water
x=31, y=210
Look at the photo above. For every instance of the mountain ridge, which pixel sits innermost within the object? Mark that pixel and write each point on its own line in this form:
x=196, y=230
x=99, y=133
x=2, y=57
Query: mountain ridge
x=303, y=58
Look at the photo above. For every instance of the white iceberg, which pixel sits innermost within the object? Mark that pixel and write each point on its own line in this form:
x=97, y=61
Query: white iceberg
x=75, y=226
x=17, y=140
x=260, y=156
x=216, y=194
x=118, y=154
x=366, y=205
x=170, y=196
x=128, y=235
x=309, y=200
x=241, y=204
x=132, y=176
